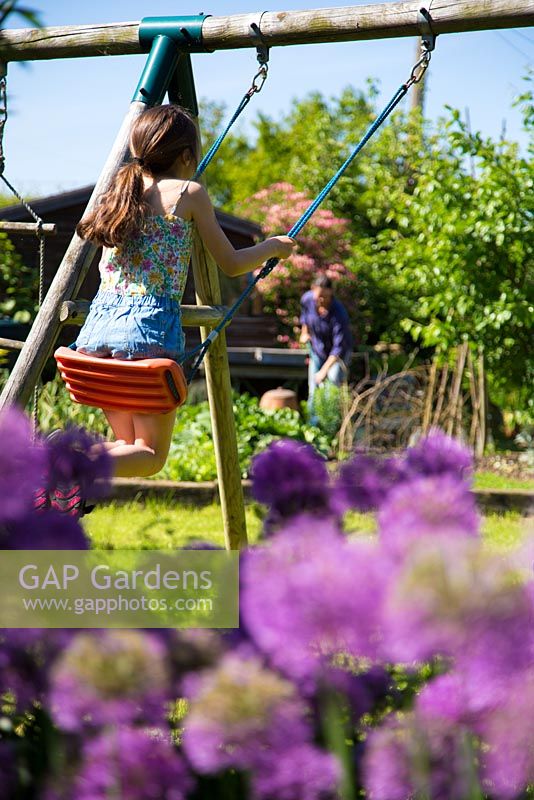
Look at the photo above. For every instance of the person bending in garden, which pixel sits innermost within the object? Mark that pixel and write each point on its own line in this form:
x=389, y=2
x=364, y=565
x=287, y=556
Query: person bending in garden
x=326, y=330
x=145, y=223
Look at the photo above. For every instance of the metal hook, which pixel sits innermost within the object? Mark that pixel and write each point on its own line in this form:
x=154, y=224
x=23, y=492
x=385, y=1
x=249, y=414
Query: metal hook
x=262, y=48
x=427, y=34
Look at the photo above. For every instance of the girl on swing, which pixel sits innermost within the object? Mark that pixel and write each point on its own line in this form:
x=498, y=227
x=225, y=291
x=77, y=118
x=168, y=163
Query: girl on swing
x=145, y=223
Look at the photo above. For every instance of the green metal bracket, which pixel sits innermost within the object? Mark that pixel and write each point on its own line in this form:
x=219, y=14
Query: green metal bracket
x=169, y=39
x=182, y=85
x=186, y=32
x=158, y=72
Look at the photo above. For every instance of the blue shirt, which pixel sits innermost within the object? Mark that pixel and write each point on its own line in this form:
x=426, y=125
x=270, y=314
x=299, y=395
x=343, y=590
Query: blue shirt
x=331, y=334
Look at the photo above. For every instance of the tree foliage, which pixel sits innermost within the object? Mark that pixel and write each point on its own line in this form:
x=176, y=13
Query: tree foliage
x=439, y=243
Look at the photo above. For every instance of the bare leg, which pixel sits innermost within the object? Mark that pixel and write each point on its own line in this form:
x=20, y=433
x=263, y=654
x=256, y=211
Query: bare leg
x=122, y=426
x=148, y=452
x=121, y=423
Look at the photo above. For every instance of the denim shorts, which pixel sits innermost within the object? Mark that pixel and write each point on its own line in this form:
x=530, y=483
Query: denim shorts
x=139, y=326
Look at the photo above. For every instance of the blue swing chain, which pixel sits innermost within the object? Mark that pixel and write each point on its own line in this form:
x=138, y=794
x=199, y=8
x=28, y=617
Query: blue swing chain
x=418, y=70
x=257, y=85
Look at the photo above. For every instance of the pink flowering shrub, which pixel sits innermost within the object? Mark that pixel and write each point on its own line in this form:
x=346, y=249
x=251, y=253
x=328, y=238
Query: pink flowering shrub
x=323, y=248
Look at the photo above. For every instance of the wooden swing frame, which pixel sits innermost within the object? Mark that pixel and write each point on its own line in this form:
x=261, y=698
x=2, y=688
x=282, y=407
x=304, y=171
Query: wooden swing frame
x=350, y=23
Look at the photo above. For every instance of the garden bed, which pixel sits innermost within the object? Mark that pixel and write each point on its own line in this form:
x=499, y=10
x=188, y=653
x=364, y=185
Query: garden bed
x=206, y=492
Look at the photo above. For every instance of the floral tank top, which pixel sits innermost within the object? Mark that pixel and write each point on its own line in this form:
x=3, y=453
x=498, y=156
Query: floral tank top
x=154, y=261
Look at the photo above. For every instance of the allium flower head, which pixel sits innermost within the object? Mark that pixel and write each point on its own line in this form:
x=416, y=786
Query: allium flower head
x=444, y=698
x=324, y=597
x=8, y=770
x=454, y=598
x=291, y=478
x=73, y=457
x=427, y=507
x=508, y=757
x=439, y=454
x=419, y=757
x=46, y=531
x=302, y=772
x=237, y=710
x=134, y=764
x=25, y=658
x=22, y=465
x=112, y=677
x=364, y=482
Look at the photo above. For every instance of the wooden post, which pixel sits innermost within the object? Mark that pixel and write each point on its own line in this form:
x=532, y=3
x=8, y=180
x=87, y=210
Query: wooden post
x=475, y=401
x=441, y=393
x=217, y=372
x=456, y=387
x=309, y=26
x=429, y=399
x=482, y=406
x=67, y=281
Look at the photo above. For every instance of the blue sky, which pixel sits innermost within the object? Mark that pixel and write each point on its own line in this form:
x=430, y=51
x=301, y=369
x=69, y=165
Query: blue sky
x=64, y=114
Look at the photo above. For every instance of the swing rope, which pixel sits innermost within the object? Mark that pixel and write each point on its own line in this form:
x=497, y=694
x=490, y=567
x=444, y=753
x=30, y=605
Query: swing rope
x=418, y=70
x=39, y=222
x=257, y=85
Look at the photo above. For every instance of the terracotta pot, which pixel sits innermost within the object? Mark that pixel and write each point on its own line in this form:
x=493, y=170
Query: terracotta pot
x=279, y=398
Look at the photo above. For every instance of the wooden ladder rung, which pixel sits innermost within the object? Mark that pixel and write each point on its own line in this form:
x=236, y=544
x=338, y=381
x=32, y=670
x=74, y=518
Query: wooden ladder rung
x=74, y=312
x=10, y=344
x=47, y=228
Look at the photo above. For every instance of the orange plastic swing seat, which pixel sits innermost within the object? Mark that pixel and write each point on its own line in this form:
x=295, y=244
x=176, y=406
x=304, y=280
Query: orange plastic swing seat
x=145, y=386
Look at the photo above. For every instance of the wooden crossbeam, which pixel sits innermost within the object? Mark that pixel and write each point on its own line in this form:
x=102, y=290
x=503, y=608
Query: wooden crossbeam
x=278, y=28
x=74, y=312
x=10, y=344
x=47, y=228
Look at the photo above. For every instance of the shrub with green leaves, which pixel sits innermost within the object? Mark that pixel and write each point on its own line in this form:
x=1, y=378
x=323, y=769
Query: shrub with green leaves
x=18, y=284
x=192, y=457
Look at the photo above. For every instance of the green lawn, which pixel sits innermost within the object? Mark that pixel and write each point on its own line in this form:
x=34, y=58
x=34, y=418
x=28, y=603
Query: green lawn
x=492, y=480
x=157, y=524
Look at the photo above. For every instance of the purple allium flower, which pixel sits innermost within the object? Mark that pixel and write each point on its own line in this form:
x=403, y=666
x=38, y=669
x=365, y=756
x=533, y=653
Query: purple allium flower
x=439, y=454
x=22, y=465
x=444, y=698
x=311, y=595
x=364, y=482
x=237, y=711
x=454, y=598
x=508, y=758
x=426, y=507
x=386, y=768
x=419, y=757
x=353, y=690
x=302, y=772
x=8, y=770
x=427, y=602
x=291, y=478
x=46, y=531
x=499, y=637
x=74, y=457
x=110, y=677
x=132, y=764
x=25, y=659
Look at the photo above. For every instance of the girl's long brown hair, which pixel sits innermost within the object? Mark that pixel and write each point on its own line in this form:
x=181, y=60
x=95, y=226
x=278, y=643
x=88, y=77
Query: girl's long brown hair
x=157, y=138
